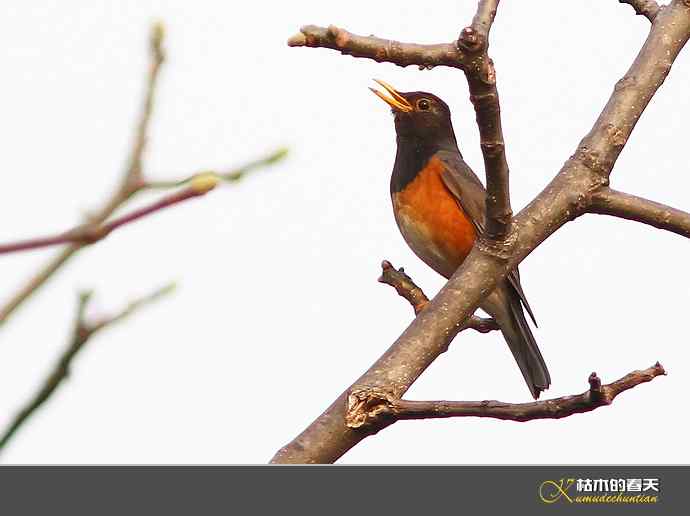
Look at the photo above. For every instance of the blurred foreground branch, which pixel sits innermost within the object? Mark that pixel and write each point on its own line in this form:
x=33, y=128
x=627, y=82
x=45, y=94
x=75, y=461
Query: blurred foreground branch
x=83, y=331
x=132, y=182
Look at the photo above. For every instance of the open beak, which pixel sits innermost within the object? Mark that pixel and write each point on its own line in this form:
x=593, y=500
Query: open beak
x=396, y=101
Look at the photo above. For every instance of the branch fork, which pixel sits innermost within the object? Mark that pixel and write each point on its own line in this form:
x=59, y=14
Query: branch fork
x=372, y=408
x=570, y=194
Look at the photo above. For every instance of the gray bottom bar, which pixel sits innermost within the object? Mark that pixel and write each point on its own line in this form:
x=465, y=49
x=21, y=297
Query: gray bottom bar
x=326, y=490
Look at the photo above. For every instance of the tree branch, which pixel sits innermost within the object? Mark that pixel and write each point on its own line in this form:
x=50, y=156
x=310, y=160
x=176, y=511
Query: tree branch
x=378, y=49
x=82, y=333
x=369, y=406
x=606, y=201
x=481, y=79
x=407, y=289
x=230, y=176
x=646, y=8
x=566, y=197
x=130, y=183
x=90, y=233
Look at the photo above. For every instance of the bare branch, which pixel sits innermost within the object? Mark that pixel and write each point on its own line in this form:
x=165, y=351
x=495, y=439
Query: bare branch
x=130, y=183
x=407, y=289
x=606, y=201
x=134, y=173
x=89, y=233
x=564, y=198
x=646, y=8
x=231, y=176
x=82, y=333
x=403, y=284
x=370, y=407
x=481, y=79
x=378, y=49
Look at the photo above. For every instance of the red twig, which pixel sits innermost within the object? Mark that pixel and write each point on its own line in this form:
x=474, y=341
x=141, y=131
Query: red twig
x=88, y=234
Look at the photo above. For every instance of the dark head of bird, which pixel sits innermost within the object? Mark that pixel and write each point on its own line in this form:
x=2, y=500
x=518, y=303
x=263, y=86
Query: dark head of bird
x=421, y=119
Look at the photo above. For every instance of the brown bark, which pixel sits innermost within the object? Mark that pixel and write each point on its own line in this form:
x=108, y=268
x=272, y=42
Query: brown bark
x=407, y=289
x=606, y=201
x=647, y=8
x=369, y=406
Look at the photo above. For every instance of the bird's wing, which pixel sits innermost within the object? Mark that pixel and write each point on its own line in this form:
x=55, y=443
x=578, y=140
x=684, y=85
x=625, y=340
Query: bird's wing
x=465, y=186
x=470, y=194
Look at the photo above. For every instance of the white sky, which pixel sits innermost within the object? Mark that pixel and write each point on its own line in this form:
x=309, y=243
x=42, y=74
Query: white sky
x=278, y=308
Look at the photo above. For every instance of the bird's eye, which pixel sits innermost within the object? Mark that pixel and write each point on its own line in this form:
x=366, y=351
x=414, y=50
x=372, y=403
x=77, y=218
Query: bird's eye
x=423, y=104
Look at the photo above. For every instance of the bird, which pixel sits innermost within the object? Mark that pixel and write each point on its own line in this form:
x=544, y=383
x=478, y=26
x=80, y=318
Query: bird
x=439, y=207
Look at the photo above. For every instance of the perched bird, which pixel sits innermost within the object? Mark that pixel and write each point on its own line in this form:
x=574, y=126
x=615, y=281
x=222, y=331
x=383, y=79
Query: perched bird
x=439, y=206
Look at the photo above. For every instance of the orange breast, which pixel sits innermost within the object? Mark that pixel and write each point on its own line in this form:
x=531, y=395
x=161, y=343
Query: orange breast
x=432, y=222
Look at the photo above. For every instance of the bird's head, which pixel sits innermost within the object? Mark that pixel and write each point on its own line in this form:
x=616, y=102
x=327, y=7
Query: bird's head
x=418, y=114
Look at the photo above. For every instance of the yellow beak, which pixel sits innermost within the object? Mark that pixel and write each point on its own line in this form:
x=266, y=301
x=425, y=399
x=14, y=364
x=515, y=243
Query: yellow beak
x=396, y=101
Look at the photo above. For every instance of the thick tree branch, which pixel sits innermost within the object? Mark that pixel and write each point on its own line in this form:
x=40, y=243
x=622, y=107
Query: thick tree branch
x=369, y=406
x=646, y=8
x=606, y=201
x=566, y=197
x=82, y=333
x=90, y=233
x=407, y=289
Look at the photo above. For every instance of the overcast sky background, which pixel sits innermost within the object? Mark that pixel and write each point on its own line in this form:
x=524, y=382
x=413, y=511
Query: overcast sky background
x=278, y=308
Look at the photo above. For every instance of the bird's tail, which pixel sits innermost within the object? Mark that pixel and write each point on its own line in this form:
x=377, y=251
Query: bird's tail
x=521, y=342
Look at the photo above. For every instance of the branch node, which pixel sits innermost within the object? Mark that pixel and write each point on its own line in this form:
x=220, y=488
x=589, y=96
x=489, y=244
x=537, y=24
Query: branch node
x=499, y=248
x=340, y=36
x=470, y=39
x=366, y=406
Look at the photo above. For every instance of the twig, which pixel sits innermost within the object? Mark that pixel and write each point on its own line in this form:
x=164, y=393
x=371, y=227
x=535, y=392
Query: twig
x=563, y=199
x=130, y=183
x=646, y=8
x=606, y=201
x=231, y=176
x=408, y=289
x=82, y=333
x=89, y=233
x=368, y=407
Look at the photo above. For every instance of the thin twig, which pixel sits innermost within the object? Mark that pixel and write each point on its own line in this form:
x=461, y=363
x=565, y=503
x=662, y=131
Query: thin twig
x=230, y=176
x=606, y=201
x=368, y=407
x=89, y=233
x=646, y=8
x=82, y=333
x=408, y=289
